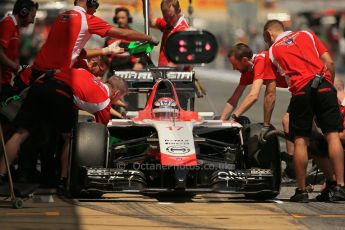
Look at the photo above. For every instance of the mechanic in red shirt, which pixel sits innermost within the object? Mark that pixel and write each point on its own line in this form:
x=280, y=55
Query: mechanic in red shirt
x=69, y=34
x=172, y=21
x=51, y=101
x=24, y=13
x=309, y=70
x=256, y=70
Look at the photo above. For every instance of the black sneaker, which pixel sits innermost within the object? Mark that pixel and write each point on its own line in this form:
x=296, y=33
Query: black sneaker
x=325, y=193
x=300, y=196
x=337, y=193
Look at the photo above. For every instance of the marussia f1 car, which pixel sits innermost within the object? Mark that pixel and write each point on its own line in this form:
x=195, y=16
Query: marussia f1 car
x=166, y=149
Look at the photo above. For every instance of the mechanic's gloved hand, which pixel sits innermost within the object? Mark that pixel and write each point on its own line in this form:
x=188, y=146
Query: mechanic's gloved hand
x=233, y=117
x=264, y=130
x=124, y=114
x=113, y=48
x=21, y=69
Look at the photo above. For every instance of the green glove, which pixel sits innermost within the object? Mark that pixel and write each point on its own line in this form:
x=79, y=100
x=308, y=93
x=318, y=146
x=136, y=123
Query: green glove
x=140, y=47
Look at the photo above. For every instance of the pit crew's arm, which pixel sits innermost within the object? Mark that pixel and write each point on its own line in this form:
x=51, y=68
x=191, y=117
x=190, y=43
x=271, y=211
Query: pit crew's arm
x=103, y=116
x=251, y=98
x=120, y=103
x=327, y=59
x=269, y=101
x=128, y=34
x=324, y=55
x=4, y=60
x=232, y=101
x=115, y=113
x=111, y=49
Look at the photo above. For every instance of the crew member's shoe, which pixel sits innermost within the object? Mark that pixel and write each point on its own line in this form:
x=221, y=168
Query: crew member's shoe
x=332, y=192
x=300, y=196
x=325, y=193
x=337, y=193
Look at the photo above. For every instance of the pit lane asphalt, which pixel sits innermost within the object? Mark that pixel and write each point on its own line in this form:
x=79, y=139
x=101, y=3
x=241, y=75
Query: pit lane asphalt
x=205, y=211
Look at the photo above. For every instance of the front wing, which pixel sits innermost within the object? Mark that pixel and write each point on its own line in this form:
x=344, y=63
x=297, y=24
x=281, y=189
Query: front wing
x=246, y=181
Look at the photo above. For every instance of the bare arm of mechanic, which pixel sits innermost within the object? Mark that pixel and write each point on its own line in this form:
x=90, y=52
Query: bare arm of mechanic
x=115, y=113
x=232, y=101
x=327, y=59
x=251, y=98
x=4, y=60
x=120, y=103
x=269, y=101
x=128, y=34
x=112, y=49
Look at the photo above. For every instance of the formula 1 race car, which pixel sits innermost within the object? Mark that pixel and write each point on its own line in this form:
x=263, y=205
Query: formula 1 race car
x=166, y=149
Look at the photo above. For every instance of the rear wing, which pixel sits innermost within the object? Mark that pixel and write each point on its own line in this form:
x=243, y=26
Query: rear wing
x=143, y=81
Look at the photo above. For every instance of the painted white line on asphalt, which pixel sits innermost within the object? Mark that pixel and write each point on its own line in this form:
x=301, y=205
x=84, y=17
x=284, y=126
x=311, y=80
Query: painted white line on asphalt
x=278, y=201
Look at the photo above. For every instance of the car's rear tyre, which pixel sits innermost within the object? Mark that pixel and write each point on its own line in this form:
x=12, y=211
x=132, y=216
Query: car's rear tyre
x=89, y=148
x=266, y=156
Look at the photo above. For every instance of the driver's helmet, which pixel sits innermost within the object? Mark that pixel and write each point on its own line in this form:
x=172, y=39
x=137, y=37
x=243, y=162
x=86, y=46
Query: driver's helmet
x=165, y=108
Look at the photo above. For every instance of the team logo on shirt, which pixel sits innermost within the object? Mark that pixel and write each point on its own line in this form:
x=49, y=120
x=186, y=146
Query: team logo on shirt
x=288, y=40
x=66, y=17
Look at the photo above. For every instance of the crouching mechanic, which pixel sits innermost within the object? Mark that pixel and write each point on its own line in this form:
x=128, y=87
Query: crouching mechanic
x=51, y=101
x=256, y=70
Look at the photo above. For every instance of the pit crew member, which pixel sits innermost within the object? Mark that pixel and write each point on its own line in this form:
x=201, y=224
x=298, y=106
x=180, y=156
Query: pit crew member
x=171, y=22
x=60, y=94
x=256, y=70
x=23, y=14
x=309, y=70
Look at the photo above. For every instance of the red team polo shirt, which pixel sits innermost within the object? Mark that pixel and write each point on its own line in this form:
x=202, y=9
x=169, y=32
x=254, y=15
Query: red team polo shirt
x=297, y=57
x=9, y=40
x=67, y=37
x=89, y=93
x=161, y=24
x=263, y=69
